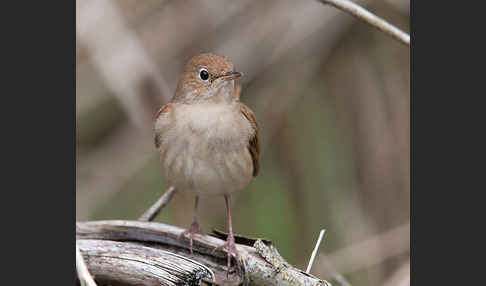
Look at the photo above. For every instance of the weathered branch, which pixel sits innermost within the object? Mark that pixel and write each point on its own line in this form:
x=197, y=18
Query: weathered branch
x=368, y=17
x=259, y=262
x=132, y=263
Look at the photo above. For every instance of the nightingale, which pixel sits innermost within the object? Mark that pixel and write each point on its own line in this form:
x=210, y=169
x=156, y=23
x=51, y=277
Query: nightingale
x=207, y=138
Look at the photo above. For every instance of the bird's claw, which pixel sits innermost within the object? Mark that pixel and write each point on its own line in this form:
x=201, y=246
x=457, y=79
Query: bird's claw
x=230, y=246
x=193, y=229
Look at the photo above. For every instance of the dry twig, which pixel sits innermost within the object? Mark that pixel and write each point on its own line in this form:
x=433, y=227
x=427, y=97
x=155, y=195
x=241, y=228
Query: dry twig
x=85, y=278
x=154, y=210
x=368, y=17
x=314, y=252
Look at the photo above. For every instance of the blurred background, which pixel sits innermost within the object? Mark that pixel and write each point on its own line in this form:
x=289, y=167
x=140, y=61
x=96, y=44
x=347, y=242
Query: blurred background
x=332, y=98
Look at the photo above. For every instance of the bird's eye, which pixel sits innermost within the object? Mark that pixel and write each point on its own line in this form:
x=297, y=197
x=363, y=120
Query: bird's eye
x=203, y=74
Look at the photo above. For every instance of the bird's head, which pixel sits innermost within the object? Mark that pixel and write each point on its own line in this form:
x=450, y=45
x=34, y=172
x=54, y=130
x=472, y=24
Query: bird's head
x=207, y=78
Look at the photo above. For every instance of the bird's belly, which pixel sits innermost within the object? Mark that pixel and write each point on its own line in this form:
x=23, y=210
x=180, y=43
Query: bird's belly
x=196, y=164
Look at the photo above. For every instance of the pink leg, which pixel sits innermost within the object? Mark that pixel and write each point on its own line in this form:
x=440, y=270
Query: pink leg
x=230, y=240
x=194, y=228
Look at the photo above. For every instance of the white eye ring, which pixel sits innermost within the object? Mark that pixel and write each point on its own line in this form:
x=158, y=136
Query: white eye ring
x=204, y=74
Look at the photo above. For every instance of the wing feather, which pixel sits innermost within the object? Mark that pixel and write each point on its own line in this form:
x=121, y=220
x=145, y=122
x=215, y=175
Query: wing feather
x=163, y=110
x=253, y=145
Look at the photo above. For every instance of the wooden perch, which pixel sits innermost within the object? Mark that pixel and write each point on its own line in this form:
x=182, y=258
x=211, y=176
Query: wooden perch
x=150, y=253
x=135, y=264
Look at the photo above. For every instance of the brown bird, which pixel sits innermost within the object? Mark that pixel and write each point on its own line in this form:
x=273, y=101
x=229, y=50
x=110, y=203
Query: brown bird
x=207, y=138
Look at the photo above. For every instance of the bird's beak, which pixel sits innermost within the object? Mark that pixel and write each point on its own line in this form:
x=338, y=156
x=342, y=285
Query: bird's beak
x=230, y=76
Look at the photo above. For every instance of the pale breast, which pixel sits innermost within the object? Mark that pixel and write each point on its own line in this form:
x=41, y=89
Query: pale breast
x=204, y=148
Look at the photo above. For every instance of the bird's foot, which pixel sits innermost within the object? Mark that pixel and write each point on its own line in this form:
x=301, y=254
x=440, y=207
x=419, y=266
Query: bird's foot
x=230, y=246
x=193, y=229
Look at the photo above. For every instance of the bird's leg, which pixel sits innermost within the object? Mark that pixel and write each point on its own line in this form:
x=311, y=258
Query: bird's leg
x=230, y=240
x=194, y=228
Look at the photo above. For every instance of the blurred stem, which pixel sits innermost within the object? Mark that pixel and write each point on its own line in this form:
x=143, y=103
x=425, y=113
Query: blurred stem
x=286, y=160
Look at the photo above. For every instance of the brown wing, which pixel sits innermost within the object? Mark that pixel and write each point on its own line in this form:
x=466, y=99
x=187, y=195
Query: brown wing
x=162, y=110
x=253, y=145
